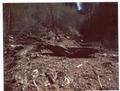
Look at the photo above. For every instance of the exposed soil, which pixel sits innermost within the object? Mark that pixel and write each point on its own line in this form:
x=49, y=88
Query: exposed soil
x=29, y=68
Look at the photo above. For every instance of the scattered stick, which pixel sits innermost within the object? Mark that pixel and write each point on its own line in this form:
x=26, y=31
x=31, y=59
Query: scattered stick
x=99, y=81
x=36, y=85
x=35, y=75
x=98, y=77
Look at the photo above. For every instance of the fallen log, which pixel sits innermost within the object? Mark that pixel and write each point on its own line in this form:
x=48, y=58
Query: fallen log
x=71, y=52
x=64, y=51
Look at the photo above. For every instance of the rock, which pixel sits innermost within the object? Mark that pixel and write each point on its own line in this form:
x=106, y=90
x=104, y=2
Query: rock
x=26, y=50
x=35, y=73
x=16, y=46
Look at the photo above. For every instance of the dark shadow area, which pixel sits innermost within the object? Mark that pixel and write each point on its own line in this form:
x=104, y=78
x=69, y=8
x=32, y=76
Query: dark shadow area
x=102, y=25
x=74, y=53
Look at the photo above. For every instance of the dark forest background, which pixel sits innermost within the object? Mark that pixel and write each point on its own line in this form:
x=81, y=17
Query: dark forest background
x=58, y=20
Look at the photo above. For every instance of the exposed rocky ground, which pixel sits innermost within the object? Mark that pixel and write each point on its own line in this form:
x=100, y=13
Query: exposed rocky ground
x=37, y=67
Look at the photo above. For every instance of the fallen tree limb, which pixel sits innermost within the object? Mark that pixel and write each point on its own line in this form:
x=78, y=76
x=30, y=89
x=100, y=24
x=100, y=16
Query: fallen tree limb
x=98, y=77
